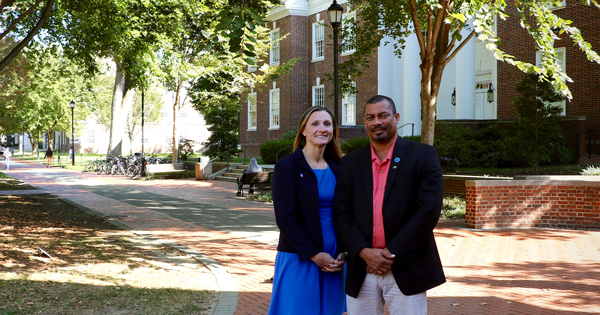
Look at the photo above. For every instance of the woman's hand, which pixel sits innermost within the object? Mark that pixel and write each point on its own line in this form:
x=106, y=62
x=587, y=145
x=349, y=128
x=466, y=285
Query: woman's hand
x=324, y=260
x=327, y=263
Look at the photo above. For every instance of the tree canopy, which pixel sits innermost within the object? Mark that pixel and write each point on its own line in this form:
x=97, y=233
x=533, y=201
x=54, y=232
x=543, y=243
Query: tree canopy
x=438, y=25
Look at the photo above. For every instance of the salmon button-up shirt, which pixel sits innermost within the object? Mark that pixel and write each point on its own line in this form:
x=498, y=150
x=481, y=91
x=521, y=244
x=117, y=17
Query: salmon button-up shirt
x=380, y=173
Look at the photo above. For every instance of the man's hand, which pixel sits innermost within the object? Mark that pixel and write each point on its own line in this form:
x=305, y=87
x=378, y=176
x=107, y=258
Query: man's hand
x=379, y=261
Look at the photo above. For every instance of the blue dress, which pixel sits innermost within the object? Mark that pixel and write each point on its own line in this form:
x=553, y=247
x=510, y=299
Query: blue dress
x=300, y=287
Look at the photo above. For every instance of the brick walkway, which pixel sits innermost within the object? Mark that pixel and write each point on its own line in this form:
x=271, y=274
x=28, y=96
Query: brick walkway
x=537, y=271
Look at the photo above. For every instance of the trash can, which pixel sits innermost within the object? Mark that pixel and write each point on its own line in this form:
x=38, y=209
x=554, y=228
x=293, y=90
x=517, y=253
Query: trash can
x=203, y=168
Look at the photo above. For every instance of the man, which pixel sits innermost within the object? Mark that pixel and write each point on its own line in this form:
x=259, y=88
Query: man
x=387, y=202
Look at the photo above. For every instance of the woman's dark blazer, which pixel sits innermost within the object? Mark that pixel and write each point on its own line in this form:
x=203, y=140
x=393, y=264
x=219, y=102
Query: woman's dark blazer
x=296, y=203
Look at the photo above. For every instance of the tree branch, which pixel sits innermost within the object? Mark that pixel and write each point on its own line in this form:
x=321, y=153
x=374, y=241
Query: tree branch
x=17, y=20
x=418, y=32
x=439, y=19
x=30, y=35
x=459, y=47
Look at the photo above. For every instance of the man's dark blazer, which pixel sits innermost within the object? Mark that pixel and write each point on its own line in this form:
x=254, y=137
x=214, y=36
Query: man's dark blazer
x=411, y=208
x=296, y=202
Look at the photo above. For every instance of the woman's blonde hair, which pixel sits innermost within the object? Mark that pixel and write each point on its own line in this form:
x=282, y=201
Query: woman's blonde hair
x=333, y=147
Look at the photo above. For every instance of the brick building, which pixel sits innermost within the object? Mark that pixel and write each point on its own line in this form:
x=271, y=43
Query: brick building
x=582, y=113
x=268, y=114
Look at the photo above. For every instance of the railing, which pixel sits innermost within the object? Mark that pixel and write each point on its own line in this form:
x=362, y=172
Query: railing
x=412, y=127
x=277, y=154
x=591, y=143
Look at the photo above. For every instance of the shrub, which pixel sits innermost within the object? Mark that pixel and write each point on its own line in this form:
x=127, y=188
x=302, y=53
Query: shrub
x=290, y=135
x=416, y=138
x=262, y=197
x=186, y=149
x=271, y=151
x=353, y=144
x=454, y=208
x=590, y=170
x=455, y=143
x=536, y=137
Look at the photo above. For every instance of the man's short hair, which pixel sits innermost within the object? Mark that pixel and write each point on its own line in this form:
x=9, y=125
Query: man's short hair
x=381, y=98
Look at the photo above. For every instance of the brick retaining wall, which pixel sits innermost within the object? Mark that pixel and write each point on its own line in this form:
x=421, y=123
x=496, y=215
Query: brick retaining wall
x=571, y=204
x=454, y=185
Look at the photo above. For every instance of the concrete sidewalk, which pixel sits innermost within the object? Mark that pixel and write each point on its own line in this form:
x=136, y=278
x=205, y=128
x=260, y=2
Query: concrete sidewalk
x=538, y=271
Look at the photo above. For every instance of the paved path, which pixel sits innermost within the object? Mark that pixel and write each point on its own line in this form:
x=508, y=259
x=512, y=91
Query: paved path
x=537, y=271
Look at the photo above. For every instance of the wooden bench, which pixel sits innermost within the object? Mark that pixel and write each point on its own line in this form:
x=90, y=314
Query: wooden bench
x=253, y=181
x=152, y=169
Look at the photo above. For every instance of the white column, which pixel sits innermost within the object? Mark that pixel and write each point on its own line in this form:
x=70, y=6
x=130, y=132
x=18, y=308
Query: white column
x=385, y=77
x=465, y=80
x=411, y=90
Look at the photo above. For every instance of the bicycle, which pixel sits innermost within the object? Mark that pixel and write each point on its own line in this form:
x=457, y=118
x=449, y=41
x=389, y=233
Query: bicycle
x=91, y=166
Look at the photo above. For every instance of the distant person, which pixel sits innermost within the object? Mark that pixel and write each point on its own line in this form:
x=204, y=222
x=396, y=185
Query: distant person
x=253, y=167
x=7, y=155
x=71, y=156
x=387, y=202
x=48, y=157
x=309, y=267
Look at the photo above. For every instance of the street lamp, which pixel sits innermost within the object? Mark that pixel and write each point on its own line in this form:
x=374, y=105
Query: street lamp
x=490, y=94
x=142, y=161
x=72, y=133
x=453, y=98
x=335, y=12
x=23, y=142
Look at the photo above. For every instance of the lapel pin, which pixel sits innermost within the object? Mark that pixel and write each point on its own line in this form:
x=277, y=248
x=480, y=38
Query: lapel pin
x=397, y=160
x=394, y=167
x=301, y=175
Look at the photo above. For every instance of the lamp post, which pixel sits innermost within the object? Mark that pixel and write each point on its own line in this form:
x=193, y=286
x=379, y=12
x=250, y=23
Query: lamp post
x=453, y=98
x=23, y=142
x=335, y=12
x=142, y=157
x=490, y=94
x=72, y=133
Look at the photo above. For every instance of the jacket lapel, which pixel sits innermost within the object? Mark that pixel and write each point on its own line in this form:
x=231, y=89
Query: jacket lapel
x=400, y=150
x=367, y=173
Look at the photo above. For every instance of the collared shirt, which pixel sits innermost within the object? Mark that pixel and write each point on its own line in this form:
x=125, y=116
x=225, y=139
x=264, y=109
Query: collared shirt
x=380, y=173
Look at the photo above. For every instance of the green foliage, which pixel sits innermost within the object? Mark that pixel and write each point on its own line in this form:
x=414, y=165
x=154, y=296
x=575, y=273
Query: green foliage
x=262, y=197
x=437, y=26
x=224, y=123
x=186, y=149
x=274, y=150
x=454, y=208
x=536, y=137
x=153, y=104
x=415, y=138
x=455, y=142
x=459, y=145
x=591, y=170
x=290, y=135
x=353, y=144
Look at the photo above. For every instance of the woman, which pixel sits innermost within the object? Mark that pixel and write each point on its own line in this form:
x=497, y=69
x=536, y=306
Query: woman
x=308, y=279
x=7, y=155
x=48, y=157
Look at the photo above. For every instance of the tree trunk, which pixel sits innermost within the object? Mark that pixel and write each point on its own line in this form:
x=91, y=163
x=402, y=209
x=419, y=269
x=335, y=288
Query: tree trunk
x=50, y=135
x=175, y=114
x=121, y=104
x=34, y=144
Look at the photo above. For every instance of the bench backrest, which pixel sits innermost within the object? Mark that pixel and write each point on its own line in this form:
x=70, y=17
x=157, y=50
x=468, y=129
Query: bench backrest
x=164, y=167
x=255, y=178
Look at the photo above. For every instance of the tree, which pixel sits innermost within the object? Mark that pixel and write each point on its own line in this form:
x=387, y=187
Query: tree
x=438, y=25
x=15, y=12
x=14, y=81
x=536, y=137
x=152, y=106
